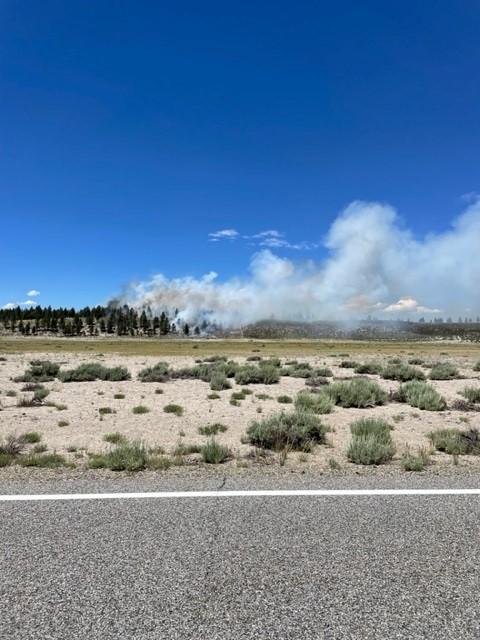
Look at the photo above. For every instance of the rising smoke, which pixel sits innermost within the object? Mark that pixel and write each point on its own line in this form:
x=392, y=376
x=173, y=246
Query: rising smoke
x=373, y=266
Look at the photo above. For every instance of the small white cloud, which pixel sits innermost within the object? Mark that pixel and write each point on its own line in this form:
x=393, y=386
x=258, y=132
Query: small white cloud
x=223, y=234
x=33, y=293
x=409, y=304
x=25, y=303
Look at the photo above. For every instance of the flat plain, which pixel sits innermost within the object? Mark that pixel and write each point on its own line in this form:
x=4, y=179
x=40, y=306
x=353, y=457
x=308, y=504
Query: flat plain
x=77, y=418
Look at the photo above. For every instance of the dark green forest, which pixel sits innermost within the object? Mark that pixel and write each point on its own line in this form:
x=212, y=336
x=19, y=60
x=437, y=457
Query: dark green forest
x=93, y=321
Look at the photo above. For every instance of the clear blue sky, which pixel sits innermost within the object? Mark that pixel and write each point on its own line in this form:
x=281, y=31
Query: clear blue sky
x=130, y=130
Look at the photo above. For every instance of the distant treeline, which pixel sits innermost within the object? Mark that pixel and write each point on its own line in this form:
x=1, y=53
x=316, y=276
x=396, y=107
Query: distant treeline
x=123, y=320
x=93, y=321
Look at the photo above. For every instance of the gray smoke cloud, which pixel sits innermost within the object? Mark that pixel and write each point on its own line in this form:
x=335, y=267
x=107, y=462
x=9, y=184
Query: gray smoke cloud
x=373, y=266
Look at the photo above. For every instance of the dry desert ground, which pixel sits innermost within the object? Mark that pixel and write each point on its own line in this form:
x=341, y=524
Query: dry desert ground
x=74, y=418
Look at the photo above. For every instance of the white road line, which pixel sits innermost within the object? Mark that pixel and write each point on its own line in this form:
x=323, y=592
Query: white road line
x=261, y=493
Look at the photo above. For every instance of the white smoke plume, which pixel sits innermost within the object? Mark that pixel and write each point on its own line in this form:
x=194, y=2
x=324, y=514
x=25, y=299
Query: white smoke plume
x=373, y=266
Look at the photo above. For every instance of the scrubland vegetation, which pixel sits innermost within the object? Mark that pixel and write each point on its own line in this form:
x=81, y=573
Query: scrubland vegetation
x=403, y=411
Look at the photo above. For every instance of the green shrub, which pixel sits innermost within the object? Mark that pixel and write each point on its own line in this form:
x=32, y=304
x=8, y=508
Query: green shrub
x=173, y=408
x=371, y=442
x=91, y=371
x=213, y=396
x=349, y=364
x=159, y=462
x=422, y=396
x=266, y=374
x=183, y=449
x=402, y=372
x=319, y=403
x=371, y=427
x=456, y=442
x=300, y=370
x=359, y=392
x=416, y=361
x=472, y=394
x=6, y=459
x=158, y=373
x=284, y=399
x=323, y=372
x=40, y=393
x=219, y=382
x=212, y=429
x=448, y=441
x=41, y=448
x=63, y=423
x=140, y=409
x=31, y=437
x=299, y=430
x=476, y=366
x=238, y=395
x=119, y=396
x=444, y=371
x=215, y=453
x=106, y=410
x=158, y=391
x=415, y=461
x=369, y=450
x=43, y=460
x=114, y=438
x=40, y=371
x=369, y=368
x=126, y=456
x=263, y=396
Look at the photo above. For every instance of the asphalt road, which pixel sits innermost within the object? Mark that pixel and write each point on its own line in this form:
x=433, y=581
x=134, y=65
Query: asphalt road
x=235, y=568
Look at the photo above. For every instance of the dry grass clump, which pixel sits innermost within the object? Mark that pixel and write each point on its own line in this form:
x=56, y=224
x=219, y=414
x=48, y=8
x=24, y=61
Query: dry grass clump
x=444, y=371
x=371, y=442
x=402, y=372
x=359, y=392
x=422, y=396
x=284, y=399
x=12, y=446
x=299, y=430
x=91, y=371
x=476, y=366
x=140, y=409
x=415, y=461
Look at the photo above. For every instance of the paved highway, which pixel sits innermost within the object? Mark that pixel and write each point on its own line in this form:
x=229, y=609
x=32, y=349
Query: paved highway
x=240, y=567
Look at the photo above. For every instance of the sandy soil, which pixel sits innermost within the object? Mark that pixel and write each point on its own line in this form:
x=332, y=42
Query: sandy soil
x=86, y=427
